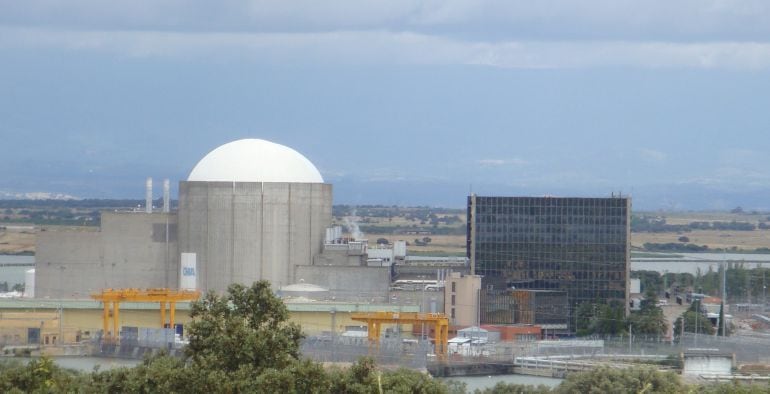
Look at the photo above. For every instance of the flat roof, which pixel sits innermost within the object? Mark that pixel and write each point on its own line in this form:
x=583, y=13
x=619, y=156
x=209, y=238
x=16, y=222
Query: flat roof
x=35, y=303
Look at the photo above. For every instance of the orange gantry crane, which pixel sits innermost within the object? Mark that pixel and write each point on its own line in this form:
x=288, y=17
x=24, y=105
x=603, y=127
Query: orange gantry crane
x=375, y=320
x=113, y=298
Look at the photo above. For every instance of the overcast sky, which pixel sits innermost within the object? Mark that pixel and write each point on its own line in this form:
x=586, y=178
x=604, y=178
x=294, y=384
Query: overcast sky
x=396, y=102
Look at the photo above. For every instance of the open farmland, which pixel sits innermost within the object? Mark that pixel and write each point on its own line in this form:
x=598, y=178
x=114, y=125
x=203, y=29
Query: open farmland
x=444, y=227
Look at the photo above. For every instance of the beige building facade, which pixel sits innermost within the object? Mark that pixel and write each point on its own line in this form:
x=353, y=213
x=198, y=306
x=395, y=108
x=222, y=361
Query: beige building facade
x=461, y=299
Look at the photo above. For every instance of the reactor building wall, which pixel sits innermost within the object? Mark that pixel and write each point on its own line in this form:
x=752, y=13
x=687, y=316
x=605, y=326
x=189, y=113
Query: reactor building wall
x=131, y=249
x=247, y=231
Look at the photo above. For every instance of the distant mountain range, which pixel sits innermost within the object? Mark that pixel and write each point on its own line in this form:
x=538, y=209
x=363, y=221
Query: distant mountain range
x=454, y=195
x=4, y=195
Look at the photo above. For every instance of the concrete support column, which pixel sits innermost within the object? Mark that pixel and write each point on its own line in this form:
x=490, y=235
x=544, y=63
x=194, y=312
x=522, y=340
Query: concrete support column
x=172, y=312
x=115, y=319
x=106, y=320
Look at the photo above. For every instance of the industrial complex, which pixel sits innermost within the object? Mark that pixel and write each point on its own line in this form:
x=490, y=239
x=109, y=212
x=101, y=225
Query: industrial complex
x=254, y=210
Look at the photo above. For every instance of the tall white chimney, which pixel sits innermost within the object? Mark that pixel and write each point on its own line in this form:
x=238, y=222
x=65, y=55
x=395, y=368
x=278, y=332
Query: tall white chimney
x=148, y=196
x=166, y=195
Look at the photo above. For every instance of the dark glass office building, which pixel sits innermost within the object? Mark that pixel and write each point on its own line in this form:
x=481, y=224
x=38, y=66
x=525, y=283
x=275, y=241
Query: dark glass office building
x=577, y=245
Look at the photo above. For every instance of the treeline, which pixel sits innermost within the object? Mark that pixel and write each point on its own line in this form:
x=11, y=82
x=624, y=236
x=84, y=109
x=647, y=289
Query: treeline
x=392, y=210
x=84, y=204
x=693, y=248
x=647, y=224
x=458, y=230
x=674, y=247
x=5, y=287
x=66, y=212
x=742, y=283
x=419, y=215
x=170, y=375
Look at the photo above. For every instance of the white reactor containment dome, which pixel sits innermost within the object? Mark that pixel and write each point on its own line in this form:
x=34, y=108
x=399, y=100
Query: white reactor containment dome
x=255, y=160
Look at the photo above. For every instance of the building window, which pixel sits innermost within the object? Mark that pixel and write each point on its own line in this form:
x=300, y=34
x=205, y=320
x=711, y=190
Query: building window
x=453, y=313
x=454, y=287
x=453, y=299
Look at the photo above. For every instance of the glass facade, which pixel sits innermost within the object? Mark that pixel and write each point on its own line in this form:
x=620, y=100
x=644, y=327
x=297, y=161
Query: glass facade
x=578, y=245
x=542, y=307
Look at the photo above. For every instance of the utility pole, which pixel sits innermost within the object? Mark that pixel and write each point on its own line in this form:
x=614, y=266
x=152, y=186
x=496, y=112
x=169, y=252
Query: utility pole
x=422, y=302
x=630, y=335
x=61, y=323
x=697, y=312
x=333, y=312
x=724, y=300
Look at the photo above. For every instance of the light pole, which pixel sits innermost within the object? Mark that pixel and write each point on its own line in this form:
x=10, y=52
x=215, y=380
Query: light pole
x=422, y=303
x=697, y=312
x=333, y=313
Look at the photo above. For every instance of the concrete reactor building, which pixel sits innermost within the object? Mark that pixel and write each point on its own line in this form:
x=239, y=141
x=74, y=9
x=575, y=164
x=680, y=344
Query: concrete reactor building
x=252, y=210
x=249, y=210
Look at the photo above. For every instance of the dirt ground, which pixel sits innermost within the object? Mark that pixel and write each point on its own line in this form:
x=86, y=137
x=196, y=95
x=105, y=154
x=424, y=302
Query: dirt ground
x=14, y=242
x=440, y=244
x=713, y=239
x=23, y=240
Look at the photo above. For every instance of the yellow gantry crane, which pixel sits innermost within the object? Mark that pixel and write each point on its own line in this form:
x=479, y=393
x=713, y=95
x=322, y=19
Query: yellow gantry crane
x=375, y=320
x=113, y=298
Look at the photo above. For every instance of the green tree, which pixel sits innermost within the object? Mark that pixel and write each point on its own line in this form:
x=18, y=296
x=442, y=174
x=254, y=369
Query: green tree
x=610, y=320
x=721, y=321
x=245, y=328
x=630, y=380
x=39, y=376
x=649, y=320
x=694, y=321
x=734, y=387
x=600, y=318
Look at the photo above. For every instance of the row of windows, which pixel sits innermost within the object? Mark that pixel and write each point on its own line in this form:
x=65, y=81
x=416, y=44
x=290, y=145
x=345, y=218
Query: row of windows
x=562, y=220
x=557, y=275
x=551, y=202
x=552, y=238
x=556, y=265
x=544, y=212
x=514, y=258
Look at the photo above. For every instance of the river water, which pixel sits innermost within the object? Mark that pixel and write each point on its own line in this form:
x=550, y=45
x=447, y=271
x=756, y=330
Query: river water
x=83, y=364
x=15, y=274
x=692, y=262
x=483, y=382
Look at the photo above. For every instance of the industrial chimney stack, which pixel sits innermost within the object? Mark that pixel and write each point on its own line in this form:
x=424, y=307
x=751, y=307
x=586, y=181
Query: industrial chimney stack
x=148, y=196
x=166, y=196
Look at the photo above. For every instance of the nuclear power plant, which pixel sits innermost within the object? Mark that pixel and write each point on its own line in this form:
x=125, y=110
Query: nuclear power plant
x=249, y=210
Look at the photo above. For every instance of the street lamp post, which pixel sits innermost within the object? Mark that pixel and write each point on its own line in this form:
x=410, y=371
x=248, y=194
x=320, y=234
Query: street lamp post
x=422, y=303
x=333, y=313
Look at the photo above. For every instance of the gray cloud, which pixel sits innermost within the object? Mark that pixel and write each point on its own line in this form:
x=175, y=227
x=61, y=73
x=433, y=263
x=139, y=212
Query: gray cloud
x=625, y=20
x=502, y=162
x=498, y=33
x=384, y=47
